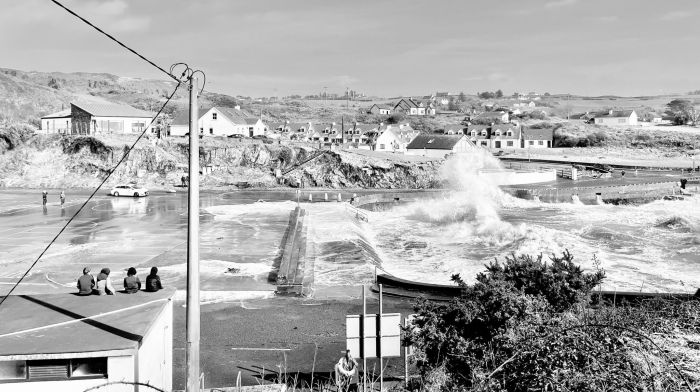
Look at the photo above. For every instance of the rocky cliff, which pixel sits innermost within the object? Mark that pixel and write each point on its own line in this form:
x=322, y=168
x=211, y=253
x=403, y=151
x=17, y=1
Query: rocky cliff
x=54, y=161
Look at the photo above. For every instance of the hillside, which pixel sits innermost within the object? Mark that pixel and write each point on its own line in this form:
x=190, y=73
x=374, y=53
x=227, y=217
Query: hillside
x=26, y=96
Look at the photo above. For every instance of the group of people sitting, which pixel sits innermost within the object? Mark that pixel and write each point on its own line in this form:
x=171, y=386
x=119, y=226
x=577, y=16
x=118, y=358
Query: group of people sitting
x=88, y=285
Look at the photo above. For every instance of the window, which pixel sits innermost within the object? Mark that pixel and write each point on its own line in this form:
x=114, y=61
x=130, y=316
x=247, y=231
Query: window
x=473, y=133
x=498, y=133
x=137, y=127
x=213, y=116
x=381, y=146
x=211, y=131
x=510, y=133
x=509, y=143
x=53, y=369
x=531, y=142
x=622, y=120
x=540, y=142
x=484, y=143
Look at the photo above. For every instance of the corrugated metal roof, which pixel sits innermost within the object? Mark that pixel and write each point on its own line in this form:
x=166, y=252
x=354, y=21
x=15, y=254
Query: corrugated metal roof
x=113, y=110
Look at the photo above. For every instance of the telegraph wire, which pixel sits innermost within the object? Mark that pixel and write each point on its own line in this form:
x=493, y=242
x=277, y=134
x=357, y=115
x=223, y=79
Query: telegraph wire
x=109, y=174
x=118, y=42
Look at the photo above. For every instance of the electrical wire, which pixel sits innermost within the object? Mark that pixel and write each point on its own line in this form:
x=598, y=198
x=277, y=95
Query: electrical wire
x=117, y=41
x=109, y=174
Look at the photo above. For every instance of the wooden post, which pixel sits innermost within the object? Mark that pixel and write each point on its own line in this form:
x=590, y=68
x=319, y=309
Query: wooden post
x=405, y=356
x=362, y=340
x=379, y=337
x=192, y=319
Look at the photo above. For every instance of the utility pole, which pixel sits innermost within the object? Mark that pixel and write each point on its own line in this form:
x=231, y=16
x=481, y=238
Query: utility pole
x=192, y=323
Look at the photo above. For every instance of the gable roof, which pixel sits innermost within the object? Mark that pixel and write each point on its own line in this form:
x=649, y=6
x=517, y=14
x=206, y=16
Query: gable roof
x=615, y=114
x=538, y=134
x=183, y=117
x=234, y=115
x=434, y=142
x=112, y=110
x=62, y=114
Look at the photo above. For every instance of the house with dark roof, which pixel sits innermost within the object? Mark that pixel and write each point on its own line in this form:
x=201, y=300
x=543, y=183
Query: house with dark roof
x=438, y=146
x=454, y=129
x=505, y=136
x=412, y=107
x=617, y=118
x=180, y=124
x=58, y=122
x=102, y=118
x=381, y=109
x=537, y=138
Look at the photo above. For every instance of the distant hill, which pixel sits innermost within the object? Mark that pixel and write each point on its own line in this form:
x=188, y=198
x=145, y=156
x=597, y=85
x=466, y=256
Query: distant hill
x=26, y=96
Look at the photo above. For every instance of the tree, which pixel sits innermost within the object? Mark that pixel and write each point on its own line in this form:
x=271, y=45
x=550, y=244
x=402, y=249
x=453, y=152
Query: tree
x=452, y=105
x=462, y=97
x=53, y=83
x=499, y=93
x=683, y=112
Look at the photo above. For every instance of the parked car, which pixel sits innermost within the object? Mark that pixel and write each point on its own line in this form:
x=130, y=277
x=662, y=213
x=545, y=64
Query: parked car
x=236, y=136
x=128, y=190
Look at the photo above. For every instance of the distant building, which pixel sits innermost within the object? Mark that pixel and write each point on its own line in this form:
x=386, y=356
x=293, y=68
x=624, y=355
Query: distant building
x=479, y=135
x=505, y=136
x=101, y=118
x=62, y=342
x=222, y=121
x=381, y=109
x=58, y=122
x=617, y=117
x=396, y=139
x=411, y=107
x=537, y=138
x=438, y=146
x=454, y=129
x=501, y=116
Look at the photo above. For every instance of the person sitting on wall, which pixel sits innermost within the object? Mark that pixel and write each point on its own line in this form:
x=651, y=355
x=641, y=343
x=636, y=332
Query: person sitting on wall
x=132, y=284
x=86, y=282
x=104, y=283
x=153, y=281
x=346, y=373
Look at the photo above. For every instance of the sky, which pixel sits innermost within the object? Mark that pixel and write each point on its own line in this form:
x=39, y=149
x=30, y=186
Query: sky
x=378, y=47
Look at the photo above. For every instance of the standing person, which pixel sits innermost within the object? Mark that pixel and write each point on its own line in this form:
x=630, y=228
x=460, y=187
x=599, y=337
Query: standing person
x=104, y=283
x=63, y=198
x=44, y=196
x=132, y=284
x=346, y=373
x=153, y=281
x=86, y=282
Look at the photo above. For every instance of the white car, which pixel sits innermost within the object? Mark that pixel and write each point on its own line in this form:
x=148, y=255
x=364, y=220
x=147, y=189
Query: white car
x=128, y=190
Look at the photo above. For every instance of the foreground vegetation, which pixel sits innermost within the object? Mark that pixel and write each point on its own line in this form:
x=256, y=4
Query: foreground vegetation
x=529, y=324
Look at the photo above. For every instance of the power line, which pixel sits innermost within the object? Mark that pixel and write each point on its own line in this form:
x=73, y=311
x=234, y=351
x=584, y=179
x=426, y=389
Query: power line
x=109, y=174
x=116, y=40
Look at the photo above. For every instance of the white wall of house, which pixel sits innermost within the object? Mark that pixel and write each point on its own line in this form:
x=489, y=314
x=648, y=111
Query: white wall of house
x=462, y=146
x=538, y=143
x=55, y=125
x=155, y=358
x=126, y=124
x=257, y=129
x=215, y=123
x=631, y=120
x=505, y=142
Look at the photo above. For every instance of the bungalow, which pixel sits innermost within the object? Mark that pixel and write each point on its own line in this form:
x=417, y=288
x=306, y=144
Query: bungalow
x=98, y=118
x=256, y=126
x=381, y=109
x=60, y=342
x=501, y=116
x=58, y=122
x=537, y=138
x=438, y=146
x=180, y=126
x=395, y=139
x=617, y=117
x=411, y=107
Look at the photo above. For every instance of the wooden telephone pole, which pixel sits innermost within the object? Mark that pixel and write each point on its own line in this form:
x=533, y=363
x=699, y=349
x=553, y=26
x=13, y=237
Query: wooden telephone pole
x=192, y=322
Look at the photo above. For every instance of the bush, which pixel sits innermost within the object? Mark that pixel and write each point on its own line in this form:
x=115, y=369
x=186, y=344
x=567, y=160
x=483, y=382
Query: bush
x=73, y=145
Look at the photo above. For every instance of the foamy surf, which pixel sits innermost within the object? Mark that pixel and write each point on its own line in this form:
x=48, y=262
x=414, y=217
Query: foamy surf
x=214, y=297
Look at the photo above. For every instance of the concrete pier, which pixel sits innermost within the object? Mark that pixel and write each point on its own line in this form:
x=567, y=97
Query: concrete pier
x=291, y=274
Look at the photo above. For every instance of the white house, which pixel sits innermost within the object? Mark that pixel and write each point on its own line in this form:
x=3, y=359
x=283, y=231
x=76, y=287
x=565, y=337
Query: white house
x=100, y=118
x=505, y=136
x=221, y=121
x=62, y=342
x=58, y=122
x=256, y=126
x=537, y=138
x=438, y=146
x=395, y=139
x=411, y=107
x=380, y=109
x=617, y=117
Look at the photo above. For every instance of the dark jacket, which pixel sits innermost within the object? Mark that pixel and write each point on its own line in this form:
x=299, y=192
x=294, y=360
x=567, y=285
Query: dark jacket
x=85, y=284
x=153, y=283
x=132, y=284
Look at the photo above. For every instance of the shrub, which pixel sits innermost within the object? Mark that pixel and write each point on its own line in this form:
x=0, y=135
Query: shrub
x=73, y=145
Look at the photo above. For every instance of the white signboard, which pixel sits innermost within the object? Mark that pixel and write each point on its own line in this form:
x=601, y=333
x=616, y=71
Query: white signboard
x=390, y=343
